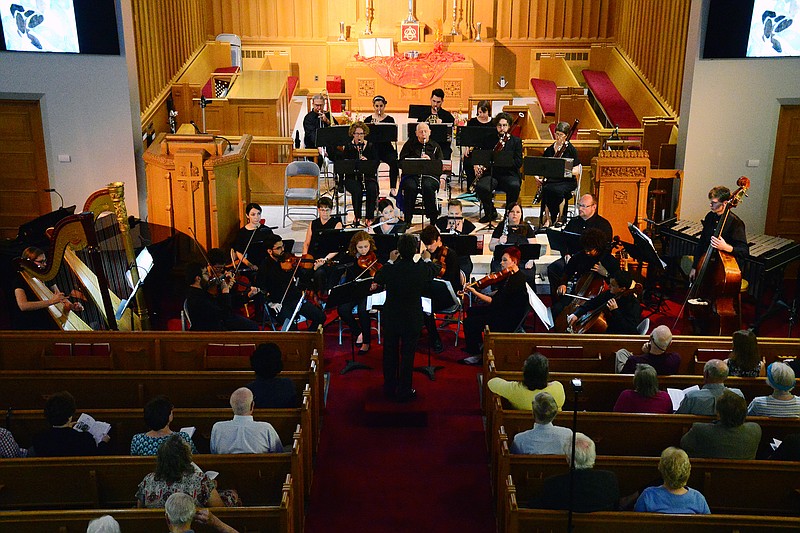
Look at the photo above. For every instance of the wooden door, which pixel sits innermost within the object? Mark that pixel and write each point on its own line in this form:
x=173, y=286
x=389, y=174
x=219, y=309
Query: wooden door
x=783, y=213
x=23, y=166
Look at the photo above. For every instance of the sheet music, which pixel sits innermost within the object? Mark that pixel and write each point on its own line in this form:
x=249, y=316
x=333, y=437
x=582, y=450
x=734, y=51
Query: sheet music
x=542, y=311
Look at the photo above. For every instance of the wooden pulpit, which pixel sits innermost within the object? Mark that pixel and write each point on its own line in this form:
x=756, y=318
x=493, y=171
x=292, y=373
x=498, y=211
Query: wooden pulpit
x=621, y=180
x=198, y=184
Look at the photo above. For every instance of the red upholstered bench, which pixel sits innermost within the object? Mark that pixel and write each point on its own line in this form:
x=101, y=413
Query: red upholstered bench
x=209, y=89
x=617, y=109
x=546, y=95
x=292, y=82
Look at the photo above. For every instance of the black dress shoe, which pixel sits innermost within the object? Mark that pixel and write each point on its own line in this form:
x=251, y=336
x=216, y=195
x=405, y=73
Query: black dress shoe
x=436, y=345
x=407, y=396
x=489, y=217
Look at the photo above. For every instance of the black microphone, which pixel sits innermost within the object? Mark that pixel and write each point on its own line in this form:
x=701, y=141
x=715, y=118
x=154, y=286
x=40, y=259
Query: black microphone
x=59, y=195
x=196, y=129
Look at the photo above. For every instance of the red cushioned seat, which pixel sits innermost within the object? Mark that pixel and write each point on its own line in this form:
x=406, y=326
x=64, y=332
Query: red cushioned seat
x=546, y=94
x=617, y=109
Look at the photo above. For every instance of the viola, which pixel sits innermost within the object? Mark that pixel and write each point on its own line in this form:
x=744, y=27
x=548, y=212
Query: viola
x=369, y=264
x=487, y=281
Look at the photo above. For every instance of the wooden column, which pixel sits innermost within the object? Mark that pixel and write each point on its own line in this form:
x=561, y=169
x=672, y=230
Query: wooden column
x=621, y=178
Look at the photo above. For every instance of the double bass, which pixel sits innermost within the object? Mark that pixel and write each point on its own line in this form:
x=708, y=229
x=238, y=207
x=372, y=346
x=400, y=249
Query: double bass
x=712, y=301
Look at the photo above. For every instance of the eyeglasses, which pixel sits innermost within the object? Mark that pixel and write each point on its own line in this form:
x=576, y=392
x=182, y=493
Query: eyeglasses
x=358, y=133
x=715, y=203
x=585, y=206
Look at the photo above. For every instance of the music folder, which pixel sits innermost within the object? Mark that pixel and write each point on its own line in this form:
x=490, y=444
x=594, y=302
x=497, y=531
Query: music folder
x=332, y=136
x=542, y=311
x=380, y=132
x=356, y=167
x=548, y=167
x=565, y=242
x=419, y=111
x=462, y=245
x=349, y=293
x=475, y=136
x=144, y=263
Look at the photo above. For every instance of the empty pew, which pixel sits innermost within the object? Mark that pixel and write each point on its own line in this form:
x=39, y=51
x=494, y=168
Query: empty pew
x=269, y=519
x=554, y=73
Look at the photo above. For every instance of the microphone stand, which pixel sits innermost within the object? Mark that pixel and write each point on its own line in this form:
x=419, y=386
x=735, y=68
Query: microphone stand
x=577, y=387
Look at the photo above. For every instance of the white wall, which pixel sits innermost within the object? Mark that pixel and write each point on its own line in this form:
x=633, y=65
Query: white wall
x=87, y=114
x=732, y=116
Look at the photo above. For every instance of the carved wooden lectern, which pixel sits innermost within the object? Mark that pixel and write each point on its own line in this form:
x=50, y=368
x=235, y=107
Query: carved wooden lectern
x=198, y=184
x=621, y=180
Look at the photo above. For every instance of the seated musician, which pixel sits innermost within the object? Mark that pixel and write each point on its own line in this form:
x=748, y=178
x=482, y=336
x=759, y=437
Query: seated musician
x=362, y=251
x=239, y=287
x=733, y=238
x=386, y=151
x=324, y=221
x=315, y=120
x=356, y=184
x=388, y=221
x=500, y=178
x=279, y=286
x=556, y=191
x=448, y=264
x=420, y=147
x=621, y=306
x=505, y=311
x=483, y=119
x=514, y=231
x=208, y=312
x=32, y=313
x=439, y=116
x=455, y=223
x=249, y=243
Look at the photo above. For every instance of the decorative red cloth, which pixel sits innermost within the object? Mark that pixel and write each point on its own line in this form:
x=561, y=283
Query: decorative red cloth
x=413, y=73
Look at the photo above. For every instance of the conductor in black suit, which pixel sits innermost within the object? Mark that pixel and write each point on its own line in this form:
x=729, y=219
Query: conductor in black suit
x=502, y=178
x=405, y=281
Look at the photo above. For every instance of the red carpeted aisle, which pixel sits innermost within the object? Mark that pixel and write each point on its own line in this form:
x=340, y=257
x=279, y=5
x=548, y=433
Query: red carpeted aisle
x=401, y=467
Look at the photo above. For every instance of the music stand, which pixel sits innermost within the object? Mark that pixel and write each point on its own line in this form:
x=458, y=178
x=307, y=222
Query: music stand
x=144, y=263
x=332, y=136
x=350, y=293
x=462, y=245
x=547, y=167
x=419, y=112
x=427, y=308
x=382, y=133
x=332, y=241
x=565, y=242
x=530, y=252
x=355, y=167
x=385, y=244
x=491, y=159
x=287, y=324
x=475, y=136
x=542, y=311
x=642, y=250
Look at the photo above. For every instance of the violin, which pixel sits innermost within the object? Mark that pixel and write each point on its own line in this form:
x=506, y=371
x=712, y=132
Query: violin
x=487, y=281
x=369, y=264
x=291, y=261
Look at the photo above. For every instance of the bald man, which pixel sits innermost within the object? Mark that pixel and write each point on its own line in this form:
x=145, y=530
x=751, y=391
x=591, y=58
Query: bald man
x=420, y=147
x=243, y=434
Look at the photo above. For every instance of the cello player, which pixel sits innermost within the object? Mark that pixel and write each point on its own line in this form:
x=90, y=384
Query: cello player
x=733, y=238
x=622, y=311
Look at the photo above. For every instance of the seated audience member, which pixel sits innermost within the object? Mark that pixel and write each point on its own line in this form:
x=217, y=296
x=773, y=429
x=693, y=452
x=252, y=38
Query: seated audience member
x=271, y=391
x=673, y=497
x=701, y=402
x=744, y=361
x=781, y=403
x=594, y=490
x=544, y=438
x=158, y=417
x=61, y=440
x=9, y=449
x=730, y=437
x=181, y=511
x=104, y=524
x=175, y=472
x=243, y=434
x=654, y=353
x=535, y=372
x=789, y=450
x=645, y=396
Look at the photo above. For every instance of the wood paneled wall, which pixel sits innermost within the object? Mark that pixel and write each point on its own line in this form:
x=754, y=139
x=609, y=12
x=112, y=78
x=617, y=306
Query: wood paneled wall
x=653, y=36
x=549, y=19
x=269, y=19
x=167, y=33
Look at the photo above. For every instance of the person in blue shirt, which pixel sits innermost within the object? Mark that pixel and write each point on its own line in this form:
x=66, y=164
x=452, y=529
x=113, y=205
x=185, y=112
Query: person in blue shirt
x=673, y=497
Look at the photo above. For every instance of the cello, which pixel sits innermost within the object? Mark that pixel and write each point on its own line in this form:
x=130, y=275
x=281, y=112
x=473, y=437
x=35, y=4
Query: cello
x=712, y=298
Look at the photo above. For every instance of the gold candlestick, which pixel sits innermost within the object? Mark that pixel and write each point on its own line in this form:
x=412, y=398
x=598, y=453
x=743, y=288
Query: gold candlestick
x=370, y=18
x=454, y=30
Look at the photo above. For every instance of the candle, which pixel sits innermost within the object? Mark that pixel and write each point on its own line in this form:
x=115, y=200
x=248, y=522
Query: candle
x=455, y=4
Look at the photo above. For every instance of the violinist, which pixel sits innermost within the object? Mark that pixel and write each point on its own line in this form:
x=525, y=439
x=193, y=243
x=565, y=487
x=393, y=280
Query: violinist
x=456, y=223
x=388, y=221
x=620, y=306
x=420, y=147
x=280, y=288
x=556, y=191
x=362, y=249
x=505, y=310
x=447, y=263
x=322, y=271
x=240, y=282
x=249, y=243
x=385, y=151
x=733, y=238
x=356, y=184
x=500, y=178
x=206, y=311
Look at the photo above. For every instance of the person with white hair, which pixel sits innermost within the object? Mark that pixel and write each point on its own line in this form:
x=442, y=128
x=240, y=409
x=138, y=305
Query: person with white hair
x=594, y=490
x=654, y=353
x=781, y=403
x=703, y=402
x=544, y=438
x=243, y=434
x=104, y=524
x=181, y=511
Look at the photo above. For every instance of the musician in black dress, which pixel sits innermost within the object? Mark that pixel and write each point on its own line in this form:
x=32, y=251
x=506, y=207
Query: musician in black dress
x=455, y=223
x=362, y=265
x=420, y=147
x=556, y=191
x=386, y=151
x=513, y=230
x=315, y=120
x=620, y=306
x=31, y=313
x=439, y=116
x=733, y=238
x=447, y=262
x=323, y=273
x=501, y=178
x=388, y=221
x=482, y=120
x=250, y=238
x=357, y=183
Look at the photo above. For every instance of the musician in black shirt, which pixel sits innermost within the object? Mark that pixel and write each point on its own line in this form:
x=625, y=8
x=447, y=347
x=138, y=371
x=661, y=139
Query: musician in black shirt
x=555, y=191
x=439, y=116
x=315, y=120
x=622, y=310
x=733, y=238
x=420, y=147
x=447, y=263
x=208, y=312
x=356, y=184
x=503, y=178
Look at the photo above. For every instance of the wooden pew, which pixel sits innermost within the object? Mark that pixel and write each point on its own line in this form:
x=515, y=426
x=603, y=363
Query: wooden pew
x=270, y=519
x=597, y=351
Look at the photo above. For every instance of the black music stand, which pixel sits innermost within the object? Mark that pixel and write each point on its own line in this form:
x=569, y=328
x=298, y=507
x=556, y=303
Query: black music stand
x=462, y=245
x=385, y=244
x=419, y=112
x=530, y=252
x=355, y=167
x=547, y=167
x=382, y=133
x=418, y=168
x=330, y=137
x=332, y=241
x=643, y=251
x=351, y=293
x=566, y=242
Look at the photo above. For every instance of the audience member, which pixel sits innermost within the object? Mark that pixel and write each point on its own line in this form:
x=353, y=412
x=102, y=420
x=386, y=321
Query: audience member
x=158, y=417
x=645, y=396
x=744, y=361
x=104, y=524
x=781, y=403
x=535, y=373
x=730, y=437
x=181, y=511
x=9, y=449
x=544, y=438
x=594, y=490
x=175, y=472
x=701, y=402
x=673, y=497
x=61, y=439
x=654, y=353
x=269, y=390
x=243, y=434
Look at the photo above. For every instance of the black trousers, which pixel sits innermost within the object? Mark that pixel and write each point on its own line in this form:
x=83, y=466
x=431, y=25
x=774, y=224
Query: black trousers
x=314, y=314
x=356, y=186
x=485, y=187
x=554, y=193
x=399, y=348
x=411, y=188
x=474, y=324
x=360, y=326
x=388, y=154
